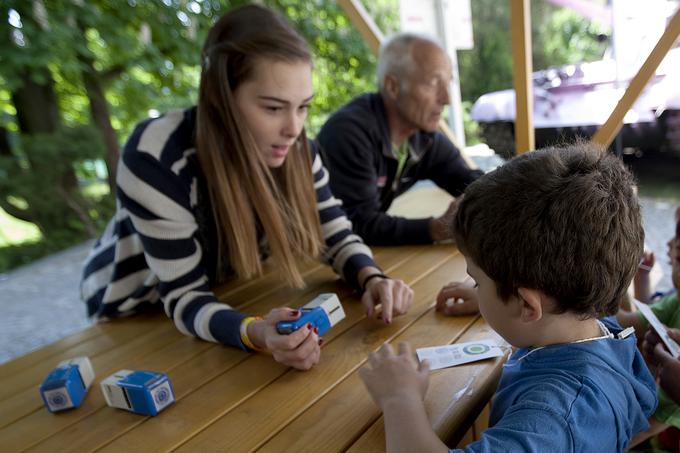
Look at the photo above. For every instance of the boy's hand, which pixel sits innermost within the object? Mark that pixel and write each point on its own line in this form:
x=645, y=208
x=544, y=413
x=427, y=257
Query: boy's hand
x=395, y=377
x=457, y=299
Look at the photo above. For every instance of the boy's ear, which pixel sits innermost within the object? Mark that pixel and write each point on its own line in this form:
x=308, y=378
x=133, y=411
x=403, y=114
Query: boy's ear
x=531, y=304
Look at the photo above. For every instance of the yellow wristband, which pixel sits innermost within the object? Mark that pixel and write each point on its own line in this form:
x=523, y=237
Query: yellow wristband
x=244, y=332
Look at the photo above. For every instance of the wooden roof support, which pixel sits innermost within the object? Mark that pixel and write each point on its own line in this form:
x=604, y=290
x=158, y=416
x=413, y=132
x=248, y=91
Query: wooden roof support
x=363, y=21
x=358, y=15
x=606, y=134
x=520, y=13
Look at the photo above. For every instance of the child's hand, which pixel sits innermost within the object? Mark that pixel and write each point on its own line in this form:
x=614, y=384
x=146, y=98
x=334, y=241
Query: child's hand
x=668, y=368
x=394, y=377
x=457, y=299
x=651, y=339
x=647, y=262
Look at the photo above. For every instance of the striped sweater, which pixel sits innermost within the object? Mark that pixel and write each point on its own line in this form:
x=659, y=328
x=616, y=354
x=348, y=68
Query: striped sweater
x=158, y=245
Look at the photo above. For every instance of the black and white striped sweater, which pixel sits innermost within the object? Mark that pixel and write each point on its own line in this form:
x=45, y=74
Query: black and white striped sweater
x=155, y=247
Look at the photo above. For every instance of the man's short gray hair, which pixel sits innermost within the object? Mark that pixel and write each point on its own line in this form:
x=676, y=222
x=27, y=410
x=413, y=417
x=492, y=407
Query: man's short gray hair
x=395, y=56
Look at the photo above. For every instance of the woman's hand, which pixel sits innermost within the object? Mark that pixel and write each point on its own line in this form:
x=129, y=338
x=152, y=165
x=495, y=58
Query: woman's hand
x=458, y=299
x=300, y=349
x=395, y=297
x=395, y=377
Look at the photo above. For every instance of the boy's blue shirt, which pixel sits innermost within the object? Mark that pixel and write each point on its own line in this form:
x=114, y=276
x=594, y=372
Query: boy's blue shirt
x=579, y=397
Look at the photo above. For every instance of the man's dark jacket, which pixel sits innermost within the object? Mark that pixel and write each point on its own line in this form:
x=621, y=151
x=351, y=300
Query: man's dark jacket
x=355, y=146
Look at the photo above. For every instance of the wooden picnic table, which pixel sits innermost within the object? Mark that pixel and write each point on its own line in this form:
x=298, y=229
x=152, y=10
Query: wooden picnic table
x=229, y=400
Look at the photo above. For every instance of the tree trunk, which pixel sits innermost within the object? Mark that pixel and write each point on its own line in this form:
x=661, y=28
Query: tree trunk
x=5, y=149
x=99, y=109
x=36, y=103
x=38, y=113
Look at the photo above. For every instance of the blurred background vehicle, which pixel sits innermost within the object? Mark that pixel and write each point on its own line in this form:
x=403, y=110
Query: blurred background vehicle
x=574, y=100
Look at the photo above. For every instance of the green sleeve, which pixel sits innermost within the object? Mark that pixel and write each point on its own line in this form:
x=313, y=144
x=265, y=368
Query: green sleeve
x=665, y=308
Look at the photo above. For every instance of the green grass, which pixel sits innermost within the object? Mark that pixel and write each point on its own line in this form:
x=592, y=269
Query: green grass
x=22, y=242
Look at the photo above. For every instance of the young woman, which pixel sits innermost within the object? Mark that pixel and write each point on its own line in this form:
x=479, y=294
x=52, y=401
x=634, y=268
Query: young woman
x=207, y=192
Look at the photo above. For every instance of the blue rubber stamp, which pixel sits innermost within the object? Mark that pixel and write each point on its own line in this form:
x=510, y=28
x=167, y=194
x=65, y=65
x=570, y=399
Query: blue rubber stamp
x=66, y=385
x=323, y=312
x=142, y=392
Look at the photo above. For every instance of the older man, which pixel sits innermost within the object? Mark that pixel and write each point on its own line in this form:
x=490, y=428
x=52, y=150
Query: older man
x=378, y=146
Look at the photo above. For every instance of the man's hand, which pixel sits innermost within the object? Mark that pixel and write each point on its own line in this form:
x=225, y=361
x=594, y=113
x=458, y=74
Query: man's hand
x=441, y=228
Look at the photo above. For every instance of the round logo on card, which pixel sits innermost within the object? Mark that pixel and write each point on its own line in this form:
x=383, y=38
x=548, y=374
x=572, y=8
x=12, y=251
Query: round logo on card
x=476, y=349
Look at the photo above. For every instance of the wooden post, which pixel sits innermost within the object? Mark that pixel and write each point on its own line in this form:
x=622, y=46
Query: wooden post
x=606, y=134
x=368, y=29
x=520, y=13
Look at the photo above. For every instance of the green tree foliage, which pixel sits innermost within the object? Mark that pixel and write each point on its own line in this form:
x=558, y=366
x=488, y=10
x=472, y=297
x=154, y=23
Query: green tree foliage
x=343, y=65
x=77, y=75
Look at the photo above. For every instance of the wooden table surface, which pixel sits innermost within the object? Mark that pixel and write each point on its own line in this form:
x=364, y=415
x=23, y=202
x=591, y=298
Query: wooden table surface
x=230, y=400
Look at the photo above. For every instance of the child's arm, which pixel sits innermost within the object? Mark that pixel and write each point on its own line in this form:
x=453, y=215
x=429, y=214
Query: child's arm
x=641, y=286
x=398, y=387
x=632, y=319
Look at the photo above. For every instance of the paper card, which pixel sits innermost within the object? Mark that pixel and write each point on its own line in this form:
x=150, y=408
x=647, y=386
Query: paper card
x=647, y=312
x=458, y=354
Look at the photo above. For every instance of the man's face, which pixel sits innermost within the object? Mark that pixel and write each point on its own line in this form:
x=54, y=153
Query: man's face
x=424, y=90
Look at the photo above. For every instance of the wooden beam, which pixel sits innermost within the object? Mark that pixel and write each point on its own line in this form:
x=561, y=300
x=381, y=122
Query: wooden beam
x=368, y=29
x=520, y=14
x=606, y=134
x=358, y=15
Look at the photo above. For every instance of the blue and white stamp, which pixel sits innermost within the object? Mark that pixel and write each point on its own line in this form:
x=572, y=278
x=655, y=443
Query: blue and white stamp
x=142, y=392
x=323, y=312
x=67, y=385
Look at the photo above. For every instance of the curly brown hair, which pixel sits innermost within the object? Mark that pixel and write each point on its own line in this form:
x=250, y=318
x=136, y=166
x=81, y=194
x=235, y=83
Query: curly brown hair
x=564, y=220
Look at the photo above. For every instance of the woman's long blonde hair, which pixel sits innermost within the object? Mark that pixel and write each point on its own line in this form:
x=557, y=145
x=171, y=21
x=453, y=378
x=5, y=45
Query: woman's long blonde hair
x=242, y=189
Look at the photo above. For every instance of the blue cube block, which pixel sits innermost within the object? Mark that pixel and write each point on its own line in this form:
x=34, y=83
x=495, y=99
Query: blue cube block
x=323, y=312
x=142, y=392
x=66, y=386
